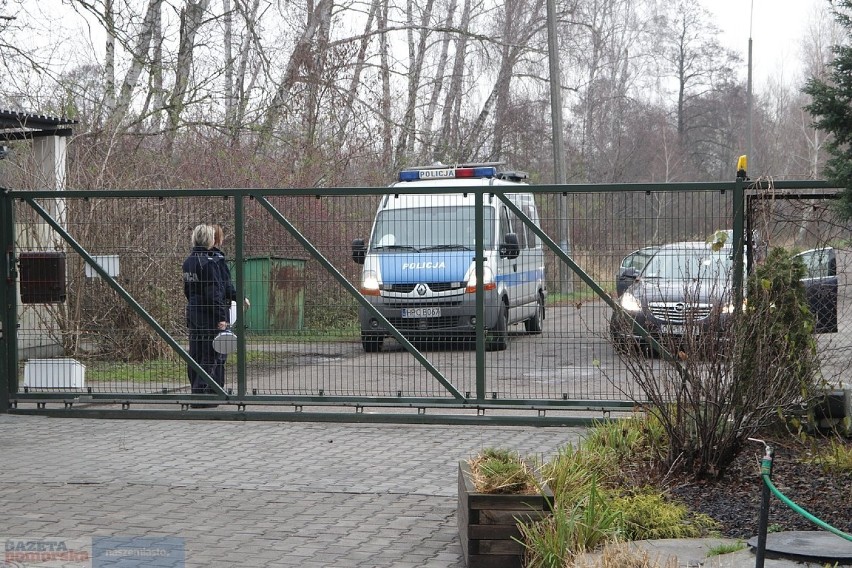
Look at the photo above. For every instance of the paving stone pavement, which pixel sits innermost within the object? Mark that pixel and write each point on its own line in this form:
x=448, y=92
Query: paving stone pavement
x=251, y=494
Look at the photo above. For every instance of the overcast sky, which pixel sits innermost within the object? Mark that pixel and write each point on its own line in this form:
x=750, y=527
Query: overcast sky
x=777, y=27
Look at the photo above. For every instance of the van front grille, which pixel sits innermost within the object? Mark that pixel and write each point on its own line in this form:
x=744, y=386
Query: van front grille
x=433, y=303
x=407, y=288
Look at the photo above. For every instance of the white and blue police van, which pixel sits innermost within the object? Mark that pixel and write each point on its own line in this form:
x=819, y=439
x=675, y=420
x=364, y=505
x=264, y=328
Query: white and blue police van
x=419, y=268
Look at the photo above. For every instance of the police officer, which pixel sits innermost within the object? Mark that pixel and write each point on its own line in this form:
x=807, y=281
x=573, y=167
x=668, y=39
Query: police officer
x=207, y=308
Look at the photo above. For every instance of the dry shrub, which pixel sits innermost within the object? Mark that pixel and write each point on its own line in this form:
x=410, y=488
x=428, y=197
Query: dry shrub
x=620, y=555
x=502, y=471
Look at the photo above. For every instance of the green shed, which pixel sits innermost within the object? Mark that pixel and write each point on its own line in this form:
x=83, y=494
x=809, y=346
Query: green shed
x=275, y=286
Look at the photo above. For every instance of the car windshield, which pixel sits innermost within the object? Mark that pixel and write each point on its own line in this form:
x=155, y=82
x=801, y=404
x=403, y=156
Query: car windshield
x=689, y=264
x=431, y=228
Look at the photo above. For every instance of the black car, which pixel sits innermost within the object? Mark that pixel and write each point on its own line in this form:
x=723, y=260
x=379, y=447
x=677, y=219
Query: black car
x=686, y=289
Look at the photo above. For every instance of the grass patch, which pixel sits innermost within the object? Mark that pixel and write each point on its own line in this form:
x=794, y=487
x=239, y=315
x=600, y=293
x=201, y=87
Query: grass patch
x=141, y=372
x=159, y=369
x=303, y=336
x=726, y=548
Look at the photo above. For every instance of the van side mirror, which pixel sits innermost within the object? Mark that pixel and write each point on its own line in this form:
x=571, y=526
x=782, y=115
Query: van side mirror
x=510, y=247
x=359, y=251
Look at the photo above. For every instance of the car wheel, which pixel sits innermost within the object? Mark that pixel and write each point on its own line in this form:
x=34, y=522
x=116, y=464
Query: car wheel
x=372, y=343
x=498, y=338
x=534, y=324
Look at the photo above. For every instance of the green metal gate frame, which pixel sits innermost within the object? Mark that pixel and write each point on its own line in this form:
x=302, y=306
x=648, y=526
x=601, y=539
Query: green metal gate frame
x=9, y=388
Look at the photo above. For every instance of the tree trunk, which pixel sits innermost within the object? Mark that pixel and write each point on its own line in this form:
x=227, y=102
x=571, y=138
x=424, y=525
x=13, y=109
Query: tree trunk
x=301, y=57
x=438, y=85
x=316, y=73
x=360, y=60
x=109, y=57
x=447, y=147
x=416, y=55
x=191, y=18
x=139, y=54
x=387, y=124
x=246, y=77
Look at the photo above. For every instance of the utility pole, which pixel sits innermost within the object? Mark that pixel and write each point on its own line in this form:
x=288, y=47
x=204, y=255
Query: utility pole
x=749, y=156
x=565, y=275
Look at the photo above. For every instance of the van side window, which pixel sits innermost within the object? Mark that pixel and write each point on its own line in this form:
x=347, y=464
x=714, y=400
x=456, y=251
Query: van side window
x=504, y=223
x=532, y=238
x=519, y=229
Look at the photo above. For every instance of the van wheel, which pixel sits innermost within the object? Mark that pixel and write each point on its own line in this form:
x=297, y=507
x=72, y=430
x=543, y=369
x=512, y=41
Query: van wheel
x=498, y=338
x=533, y=325
x=372, y=343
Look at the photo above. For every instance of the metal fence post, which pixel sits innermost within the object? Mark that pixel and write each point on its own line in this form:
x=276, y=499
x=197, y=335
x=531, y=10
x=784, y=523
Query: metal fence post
x=480, y=296
x=763, y=526
x=239, y=253
x=739, y=234
x=8, y=293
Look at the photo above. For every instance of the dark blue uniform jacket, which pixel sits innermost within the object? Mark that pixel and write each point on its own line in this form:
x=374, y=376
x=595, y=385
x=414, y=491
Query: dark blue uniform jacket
x=230, y=289
x=205, y=288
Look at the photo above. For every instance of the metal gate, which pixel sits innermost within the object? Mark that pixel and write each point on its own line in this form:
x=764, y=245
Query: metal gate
x=94, y=321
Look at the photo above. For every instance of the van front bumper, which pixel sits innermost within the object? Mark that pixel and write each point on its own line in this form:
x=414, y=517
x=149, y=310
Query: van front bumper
x=443, y=316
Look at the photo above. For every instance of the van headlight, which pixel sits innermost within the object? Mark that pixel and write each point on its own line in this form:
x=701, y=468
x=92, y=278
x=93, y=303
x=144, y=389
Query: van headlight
x=629, y=302
x=487, y=280
x=370, y=283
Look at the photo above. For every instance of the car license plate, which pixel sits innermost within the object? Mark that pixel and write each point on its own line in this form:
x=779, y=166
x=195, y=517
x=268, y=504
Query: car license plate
x=677, y=330
x=421, y=312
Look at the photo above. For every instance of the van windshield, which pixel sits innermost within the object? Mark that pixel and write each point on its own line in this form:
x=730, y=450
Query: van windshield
x=424, y=228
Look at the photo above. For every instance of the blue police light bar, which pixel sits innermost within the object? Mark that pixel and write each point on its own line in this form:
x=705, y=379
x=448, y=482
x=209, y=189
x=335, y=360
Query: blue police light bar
x=447, y=173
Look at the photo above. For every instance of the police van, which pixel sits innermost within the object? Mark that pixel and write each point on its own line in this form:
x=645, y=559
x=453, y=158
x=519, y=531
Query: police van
x=419, y=267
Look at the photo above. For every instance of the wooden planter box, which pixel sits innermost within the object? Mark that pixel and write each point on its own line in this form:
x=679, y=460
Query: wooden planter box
x=487, y=522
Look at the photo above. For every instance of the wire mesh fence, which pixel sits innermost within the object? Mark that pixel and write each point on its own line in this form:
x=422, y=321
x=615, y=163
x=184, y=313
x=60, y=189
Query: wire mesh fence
x=120, y=328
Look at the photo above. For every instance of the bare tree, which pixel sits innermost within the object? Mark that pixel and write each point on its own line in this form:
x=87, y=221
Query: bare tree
x=139, y=55
x=691, y=54
x=451, y=115
x=416, y=57
x=519, y=24
x=301, y=59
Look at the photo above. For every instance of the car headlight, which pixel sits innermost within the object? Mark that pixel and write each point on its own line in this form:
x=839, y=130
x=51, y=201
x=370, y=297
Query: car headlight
x=370, y=283
x=629, y=302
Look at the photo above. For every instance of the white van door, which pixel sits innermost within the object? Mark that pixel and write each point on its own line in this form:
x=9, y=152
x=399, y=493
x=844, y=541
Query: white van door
x=510, y=270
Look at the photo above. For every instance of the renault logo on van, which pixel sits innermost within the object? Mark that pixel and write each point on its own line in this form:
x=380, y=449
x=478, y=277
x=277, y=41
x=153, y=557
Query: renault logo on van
x=421, y=289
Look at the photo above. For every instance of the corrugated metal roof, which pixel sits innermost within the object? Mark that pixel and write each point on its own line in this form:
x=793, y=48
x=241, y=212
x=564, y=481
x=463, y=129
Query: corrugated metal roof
x=14, y=123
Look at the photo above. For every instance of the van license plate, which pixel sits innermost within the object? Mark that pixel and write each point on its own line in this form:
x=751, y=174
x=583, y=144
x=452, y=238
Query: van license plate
x=421, y=312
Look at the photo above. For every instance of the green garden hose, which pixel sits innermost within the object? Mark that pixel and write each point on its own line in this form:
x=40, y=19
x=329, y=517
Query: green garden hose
x=765, y=471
